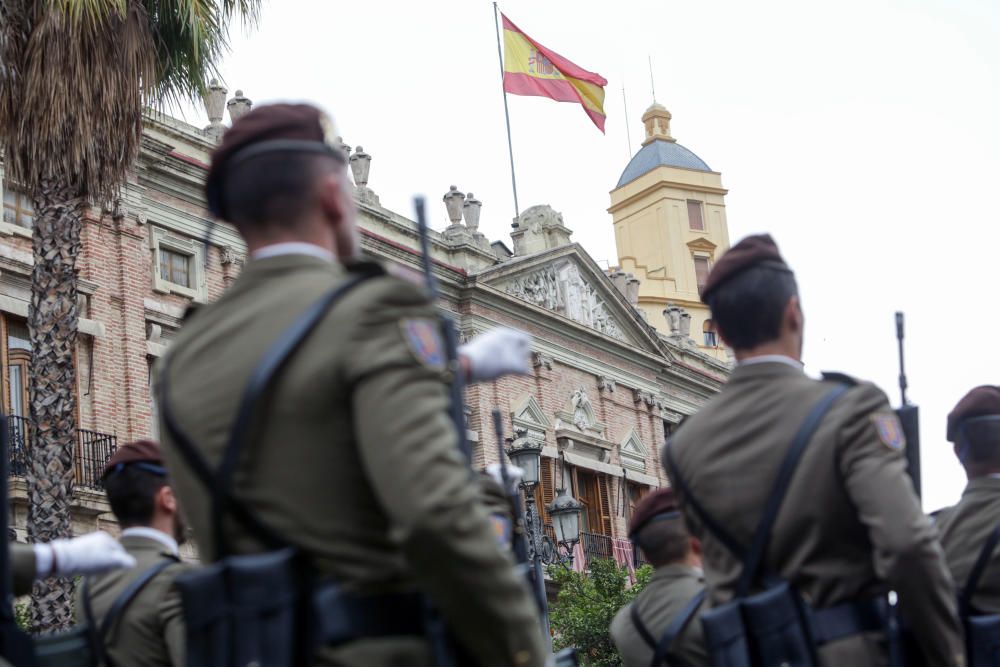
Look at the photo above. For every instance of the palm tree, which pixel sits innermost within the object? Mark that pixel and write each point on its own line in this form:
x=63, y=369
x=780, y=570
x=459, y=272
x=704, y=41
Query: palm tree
x=75, y=78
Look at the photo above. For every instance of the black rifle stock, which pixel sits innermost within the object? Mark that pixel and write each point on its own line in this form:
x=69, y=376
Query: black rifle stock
x=519, y=537
x=448, y=333
x=909, y=415
x=15, y=645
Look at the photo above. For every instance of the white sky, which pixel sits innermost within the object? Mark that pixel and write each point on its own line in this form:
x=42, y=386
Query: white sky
x=862, y=134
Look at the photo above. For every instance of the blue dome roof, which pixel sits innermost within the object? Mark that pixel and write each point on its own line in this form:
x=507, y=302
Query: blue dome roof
x=660, y=153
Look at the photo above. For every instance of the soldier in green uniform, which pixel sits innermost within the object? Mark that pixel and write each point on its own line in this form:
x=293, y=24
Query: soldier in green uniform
x=68, y=557
x=147, y=628
x=850, y=527
x=657, y=528
x=353, y=457
x=974, y=428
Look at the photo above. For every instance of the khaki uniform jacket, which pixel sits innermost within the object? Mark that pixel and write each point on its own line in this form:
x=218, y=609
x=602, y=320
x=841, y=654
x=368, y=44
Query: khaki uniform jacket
x=353, y=456
x=669, y=590
x=964, y=530
x=150, y=632
x=850, y=526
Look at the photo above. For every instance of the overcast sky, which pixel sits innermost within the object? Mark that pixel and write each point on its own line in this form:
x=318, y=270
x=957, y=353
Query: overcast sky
x=862, y=134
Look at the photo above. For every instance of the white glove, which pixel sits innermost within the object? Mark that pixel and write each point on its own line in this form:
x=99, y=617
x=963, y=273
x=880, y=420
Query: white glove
x=87, y=554
x=514, y=473
x=496, y=353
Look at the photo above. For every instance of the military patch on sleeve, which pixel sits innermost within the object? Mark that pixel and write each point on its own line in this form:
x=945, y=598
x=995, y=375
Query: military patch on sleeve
x=889, y=430
x=424, y=340
x=502, y=528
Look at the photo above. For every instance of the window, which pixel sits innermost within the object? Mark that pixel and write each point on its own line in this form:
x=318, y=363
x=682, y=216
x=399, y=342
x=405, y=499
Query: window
x=175, y=267
x=695, y=220
x=593, y=492
x=178, y=264
x=17, y=208
x=701, y=272
x=711, y=335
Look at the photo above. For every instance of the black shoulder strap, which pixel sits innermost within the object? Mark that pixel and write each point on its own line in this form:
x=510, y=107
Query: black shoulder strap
x=640, y=627
x=675, y=628
x=711, y=524
x=965, y=599
x=219, y=483
x=96, y=643
x=752, y=563
x=125, y=598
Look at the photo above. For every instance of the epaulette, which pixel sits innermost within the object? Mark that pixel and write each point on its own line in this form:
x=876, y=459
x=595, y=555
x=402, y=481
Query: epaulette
x=842, y=378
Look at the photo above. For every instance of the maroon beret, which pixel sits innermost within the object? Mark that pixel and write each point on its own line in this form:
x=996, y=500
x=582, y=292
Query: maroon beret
x=295, y=127
x=653, y=504
x=982, y=401
x=146, y=451
x=751, y=251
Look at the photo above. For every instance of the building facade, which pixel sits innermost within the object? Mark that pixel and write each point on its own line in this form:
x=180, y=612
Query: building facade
x=605, y=389
x=669, y=215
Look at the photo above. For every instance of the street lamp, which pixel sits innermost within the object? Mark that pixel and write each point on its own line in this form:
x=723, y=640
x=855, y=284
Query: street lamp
x=565, y=511
x=526, y=454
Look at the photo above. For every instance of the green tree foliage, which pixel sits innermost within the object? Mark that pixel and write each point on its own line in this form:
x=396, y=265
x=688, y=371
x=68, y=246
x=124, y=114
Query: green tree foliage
x=581, y=615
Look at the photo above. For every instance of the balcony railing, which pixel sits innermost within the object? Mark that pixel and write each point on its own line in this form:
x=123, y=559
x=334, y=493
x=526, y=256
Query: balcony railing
x=93, y=450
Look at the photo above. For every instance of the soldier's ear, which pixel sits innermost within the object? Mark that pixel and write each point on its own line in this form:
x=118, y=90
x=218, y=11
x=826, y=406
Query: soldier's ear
x=166, y=500
x=794, y=319
x=334, y=196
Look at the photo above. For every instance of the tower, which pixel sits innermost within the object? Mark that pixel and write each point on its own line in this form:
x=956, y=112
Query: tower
x=669, y=214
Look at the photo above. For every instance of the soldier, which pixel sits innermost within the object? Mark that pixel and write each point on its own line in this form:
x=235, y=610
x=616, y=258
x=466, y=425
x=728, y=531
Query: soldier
x=675, y=589
x=67, y=557
x=146, y=626
x=850, y=527
x=974, y=427
x=352, y=458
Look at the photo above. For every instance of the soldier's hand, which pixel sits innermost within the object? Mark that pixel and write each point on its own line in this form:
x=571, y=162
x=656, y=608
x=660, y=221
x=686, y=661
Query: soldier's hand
x=496, y=353
x=87, y=554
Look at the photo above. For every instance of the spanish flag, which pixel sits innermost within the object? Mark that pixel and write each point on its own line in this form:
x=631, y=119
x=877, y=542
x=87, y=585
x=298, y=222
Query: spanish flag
x=531, y=69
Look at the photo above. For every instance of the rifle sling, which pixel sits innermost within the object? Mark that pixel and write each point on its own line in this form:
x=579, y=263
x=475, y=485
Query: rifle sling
x=965, y=599
x=219, y=482
x=753, y=558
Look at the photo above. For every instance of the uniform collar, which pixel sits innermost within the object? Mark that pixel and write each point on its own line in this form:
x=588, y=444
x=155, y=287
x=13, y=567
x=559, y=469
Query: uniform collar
x=988, y=484
x=292, y=248
x=145, y=533
x=771, y=359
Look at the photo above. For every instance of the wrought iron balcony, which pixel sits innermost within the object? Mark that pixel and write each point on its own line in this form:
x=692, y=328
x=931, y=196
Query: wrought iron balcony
x=93, y=450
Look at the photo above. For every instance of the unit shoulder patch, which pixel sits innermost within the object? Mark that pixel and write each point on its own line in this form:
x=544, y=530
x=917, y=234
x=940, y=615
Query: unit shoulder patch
x=424, y=340
x=889, y=430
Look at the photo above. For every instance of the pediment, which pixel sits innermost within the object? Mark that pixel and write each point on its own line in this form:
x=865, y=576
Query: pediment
x=703, y=245
x=567, y=282
x=527, y=414
x=633, y=452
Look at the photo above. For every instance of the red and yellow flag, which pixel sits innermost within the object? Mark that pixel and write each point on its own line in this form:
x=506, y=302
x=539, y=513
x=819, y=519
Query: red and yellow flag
x=531, y=69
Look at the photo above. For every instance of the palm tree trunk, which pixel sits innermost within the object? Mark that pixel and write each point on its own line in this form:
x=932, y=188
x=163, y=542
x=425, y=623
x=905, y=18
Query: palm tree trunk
x=52, y=321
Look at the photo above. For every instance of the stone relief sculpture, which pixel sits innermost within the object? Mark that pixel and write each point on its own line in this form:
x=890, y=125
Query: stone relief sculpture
x=580, y=403
x=563, y=289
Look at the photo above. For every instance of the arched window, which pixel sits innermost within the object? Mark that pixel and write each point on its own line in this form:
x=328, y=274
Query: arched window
x=711, y=335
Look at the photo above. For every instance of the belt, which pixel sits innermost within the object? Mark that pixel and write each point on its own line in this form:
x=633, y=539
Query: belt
x=849, y=618
x=342, y=617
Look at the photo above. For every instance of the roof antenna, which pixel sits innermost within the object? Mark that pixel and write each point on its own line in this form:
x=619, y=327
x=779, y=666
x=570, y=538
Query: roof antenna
x=628, y=133
x=652, y=85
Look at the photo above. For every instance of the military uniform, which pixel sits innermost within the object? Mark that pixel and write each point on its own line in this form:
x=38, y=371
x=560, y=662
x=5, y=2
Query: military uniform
x=965, y=528
x=850, y=526
x=353, y=457
x=151, y=630
x=669, y=590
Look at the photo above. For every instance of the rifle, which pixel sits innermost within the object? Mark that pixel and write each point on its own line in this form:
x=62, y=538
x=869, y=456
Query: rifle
x=448, y=333
x=909, y=415
x=15, y=645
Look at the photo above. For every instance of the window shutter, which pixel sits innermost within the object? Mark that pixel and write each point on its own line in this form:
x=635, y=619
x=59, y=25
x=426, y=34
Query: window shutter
x=548, y=492
x=605, y=491
x=701, y=272
x=694, y=215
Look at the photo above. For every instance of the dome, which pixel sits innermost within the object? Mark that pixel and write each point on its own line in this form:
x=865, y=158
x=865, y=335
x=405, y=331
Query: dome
x=659, y=153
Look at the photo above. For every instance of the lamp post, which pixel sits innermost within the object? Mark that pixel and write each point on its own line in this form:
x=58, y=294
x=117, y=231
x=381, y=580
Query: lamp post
x=526, y=453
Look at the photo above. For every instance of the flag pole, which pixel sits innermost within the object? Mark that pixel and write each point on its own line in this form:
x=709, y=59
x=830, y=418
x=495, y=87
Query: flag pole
x=506, y=115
